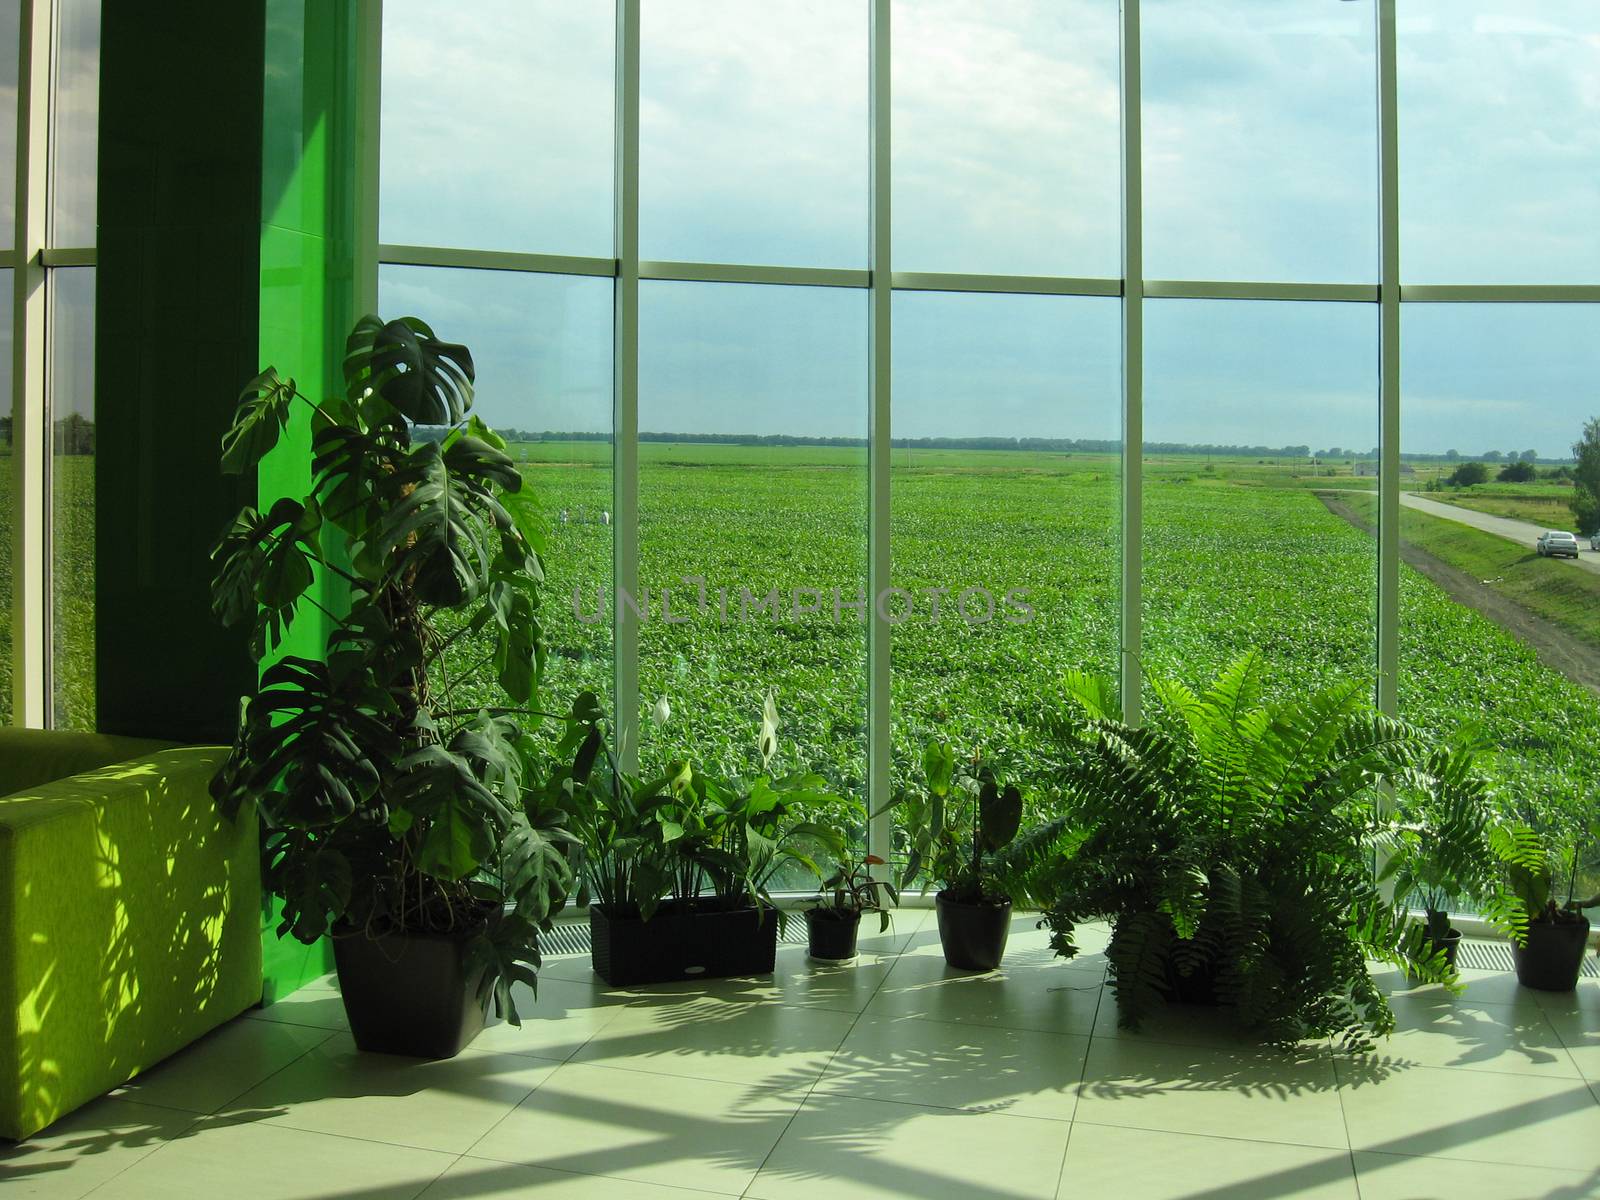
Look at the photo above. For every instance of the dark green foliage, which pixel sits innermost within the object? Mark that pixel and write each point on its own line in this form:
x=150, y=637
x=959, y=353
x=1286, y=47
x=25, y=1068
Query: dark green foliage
x=1518, y=472
x=1468, y=475
x=1231, y=840
x=1586, y=478
x=955, y=823
x=685, y=834
x=388, y=807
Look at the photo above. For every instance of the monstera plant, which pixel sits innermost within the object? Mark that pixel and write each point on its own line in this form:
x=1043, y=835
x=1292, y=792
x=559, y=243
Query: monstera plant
x=399, y=813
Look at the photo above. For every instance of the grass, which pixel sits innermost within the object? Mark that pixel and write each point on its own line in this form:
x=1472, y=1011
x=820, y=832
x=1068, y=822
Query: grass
x=1552, y=589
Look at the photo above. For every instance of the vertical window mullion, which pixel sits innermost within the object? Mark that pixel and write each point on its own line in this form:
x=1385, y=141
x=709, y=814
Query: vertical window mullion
x=1389, y=386
x=625, y=410
x=31, y=597
x=1129, y=670
x=879, y=332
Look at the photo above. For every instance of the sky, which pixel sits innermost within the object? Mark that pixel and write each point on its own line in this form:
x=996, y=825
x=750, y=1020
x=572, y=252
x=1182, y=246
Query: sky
x=1259, y=164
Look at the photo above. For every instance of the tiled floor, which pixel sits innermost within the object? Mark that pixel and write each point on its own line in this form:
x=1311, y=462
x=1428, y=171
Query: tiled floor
x=890, y=1077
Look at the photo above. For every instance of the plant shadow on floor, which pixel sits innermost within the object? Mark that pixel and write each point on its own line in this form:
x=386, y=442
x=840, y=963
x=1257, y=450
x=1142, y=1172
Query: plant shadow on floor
x=958, y=1071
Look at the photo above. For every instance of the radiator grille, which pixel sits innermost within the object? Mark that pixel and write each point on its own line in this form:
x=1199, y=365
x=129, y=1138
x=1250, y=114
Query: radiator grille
x=1476, y=954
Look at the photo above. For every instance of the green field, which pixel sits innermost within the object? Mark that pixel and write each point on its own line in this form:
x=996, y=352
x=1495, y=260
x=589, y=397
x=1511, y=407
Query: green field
x=1239, y=555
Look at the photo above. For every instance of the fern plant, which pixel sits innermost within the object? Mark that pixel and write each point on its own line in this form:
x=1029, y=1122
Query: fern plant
x=1230, y=843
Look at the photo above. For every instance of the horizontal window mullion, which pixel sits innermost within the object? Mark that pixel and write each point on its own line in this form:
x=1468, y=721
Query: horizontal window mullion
x=1206, y=289
x=67, y=256
x=698, y=272
x=1473, y=293
x=495, y=260
x=1028, y=285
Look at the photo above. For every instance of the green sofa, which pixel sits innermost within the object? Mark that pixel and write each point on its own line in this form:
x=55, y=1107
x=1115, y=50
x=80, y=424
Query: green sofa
x=129, y=915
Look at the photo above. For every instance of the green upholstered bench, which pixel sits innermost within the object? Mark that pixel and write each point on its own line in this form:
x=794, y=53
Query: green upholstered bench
x=129, y=915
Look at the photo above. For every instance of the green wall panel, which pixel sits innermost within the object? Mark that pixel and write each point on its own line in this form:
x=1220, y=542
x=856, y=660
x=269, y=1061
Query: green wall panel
x=225, y=244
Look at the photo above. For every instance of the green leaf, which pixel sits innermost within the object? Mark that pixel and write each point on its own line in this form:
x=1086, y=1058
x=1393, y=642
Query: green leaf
x=426, y=380
x=261, y=416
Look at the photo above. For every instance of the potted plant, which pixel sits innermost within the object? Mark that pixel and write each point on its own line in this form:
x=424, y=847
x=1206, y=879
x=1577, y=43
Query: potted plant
x=395, y=809
x=954, y=824
x=1228, y=842
x=1548, y=951
x=676, y=869
x=833, y=921
x=1439, y=848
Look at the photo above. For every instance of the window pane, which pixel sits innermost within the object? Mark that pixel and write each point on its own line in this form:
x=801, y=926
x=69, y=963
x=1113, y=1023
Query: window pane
x=753, y=132
x=72, y=559
x=752, y=478
x=1260, y=140
x=542, y=348
x=1261, y=428
x=75, y=137
x=10, y=18
x=1007, y=427
x=1499, y=141
x=1006, y=137
x=1491, y=633
x=8, y=497
x=497, y=125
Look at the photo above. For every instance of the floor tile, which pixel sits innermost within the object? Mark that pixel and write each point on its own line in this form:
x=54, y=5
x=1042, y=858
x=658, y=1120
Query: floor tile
x=249, y=1161
x=1180, y=1024
x=796, y=982
x=969, y=1066
x=1141, y=1164
x=1583, y=1000
x=1580, y=1034
x=1264, y=1095
x=223, y=1065
x=1052, y=999
x=1489, y=987
x=317, y=1008
x=555, y=1023
x=1402, y=1177
x=445, y=1105
x=851, y=1149
x=485, y=1179
x=689, y=1133
x=1472, y=1035
x=1469, y=1114
x=86, y=1148
x=760, y=1045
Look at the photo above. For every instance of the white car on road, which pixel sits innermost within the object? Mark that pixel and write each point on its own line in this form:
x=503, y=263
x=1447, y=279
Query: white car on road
x=1553, y=542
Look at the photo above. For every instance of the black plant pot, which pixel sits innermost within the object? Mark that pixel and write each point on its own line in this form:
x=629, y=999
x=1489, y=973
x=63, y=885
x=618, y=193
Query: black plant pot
x=695, y=939
x=1553, y=957
x=973, y=935
x=1450, y=943
x=832, y=933
x=1198, y=987
x=411, y=993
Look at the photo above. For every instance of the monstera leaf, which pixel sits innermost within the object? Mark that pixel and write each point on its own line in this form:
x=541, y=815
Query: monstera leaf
x=264, y=567
x=258, y=421
x=428, y=381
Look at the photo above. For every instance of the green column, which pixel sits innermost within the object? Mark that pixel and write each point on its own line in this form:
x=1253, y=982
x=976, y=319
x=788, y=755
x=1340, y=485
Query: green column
x=226, y=244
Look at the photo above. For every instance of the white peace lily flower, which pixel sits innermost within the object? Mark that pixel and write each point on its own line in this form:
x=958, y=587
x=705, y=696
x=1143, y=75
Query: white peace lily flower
x=769, y=729
x=662, y=712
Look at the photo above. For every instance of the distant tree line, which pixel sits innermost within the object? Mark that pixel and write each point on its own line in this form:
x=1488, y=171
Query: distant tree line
x=74, y=434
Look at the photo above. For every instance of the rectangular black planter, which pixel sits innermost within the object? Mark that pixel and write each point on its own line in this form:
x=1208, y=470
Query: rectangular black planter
x=692, y=940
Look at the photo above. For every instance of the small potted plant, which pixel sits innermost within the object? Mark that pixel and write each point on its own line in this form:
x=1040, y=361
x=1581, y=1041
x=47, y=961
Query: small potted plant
x=1549, y=952
x=1440, y=849
x=954, y=824
x=678, y=867
x=833, y=921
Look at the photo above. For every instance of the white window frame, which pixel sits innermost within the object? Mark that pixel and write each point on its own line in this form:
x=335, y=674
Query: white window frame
x=881, y=281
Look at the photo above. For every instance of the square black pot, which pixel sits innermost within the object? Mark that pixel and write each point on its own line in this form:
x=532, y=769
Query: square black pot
x=683, y=940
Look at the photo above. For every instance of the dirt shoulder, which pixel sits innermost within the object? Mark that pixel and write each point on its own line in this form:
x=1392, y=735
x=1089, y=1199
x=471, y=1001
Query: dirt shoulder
x=1556, y=648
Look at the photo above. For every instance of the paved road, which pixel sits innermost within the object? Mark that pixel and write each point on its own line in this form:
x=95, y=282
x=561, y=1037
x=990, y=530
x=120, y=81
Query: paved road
x=1513, y=531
